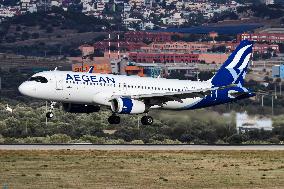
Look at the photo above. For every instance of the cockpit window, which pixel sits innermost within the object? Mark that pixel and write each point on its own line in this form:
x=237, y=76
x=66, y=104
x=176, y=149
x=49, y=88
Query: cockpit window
x=39, y=79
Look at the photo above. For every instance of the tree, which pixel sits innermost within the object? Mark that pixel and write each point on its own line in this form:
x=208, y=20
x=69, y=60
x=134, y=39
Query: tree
x=11, y=39
x=35, y=35
x=18, y=28
x=235, y=139
x=49, y=29
x=60, y=138
x=25, y=36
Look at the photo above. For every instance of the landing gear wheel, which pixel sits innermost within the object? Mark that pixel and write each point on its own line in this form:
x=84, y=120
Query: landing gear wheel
x=49, y=115
x=147, y=120
x=114, y=119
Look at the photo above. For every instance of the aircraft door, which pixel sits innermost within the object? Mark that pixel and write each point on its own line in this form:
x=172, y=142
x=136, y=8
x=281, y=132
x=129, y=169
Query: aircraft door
x=124, y=88
x=59, y=82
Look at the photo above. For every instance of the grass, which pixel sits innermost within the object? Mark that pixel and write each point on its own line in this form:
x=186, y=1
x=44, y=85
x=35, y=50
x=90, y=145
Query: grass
x=120, y=169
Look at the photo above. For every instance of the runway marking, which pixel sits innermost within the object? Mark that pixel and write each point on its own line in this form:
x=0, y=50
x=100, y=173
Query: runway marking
x=143, y=147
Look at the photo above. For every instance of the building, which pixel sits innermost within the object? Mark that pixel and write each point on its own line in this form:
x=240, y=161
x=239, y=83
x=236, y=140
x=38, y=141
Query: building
x=148, y=36
x=123, y=45
x=213, y=58
x=262, y=37
x=257, y=47
x=269, y=2
x=28, y=6
x=98, y=67
x=178, y=47
x=114, y=55
x=170, y=57
x=245, y=123
x=9, y=12
x=134, y=70
x=131, y=21
x=87, y=50
x=278, y=71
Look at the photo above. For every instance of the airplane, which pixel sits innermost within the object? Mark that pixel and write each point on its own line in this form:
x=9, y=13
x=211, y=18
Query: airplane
x=86, y=92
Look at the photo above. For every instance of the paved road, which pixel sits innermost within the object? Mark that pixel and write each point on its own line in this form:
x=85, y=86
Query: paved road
x=140, y=147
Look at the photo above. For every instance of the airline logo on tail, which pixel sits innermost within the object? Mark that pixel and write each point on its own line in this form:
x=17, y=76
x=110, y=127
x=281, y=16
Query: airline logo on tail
x=233, y=71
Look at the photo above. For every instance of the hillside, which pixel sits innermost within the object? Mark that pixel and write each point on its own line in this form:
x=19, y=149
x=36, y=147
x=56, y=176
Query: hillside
x=49, y=33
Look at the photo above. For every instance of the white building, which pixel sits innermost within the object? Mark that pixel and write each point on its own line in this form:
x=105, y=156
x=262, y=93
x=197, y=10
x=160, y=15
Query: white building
x=28, y=6
x=126, y=7
x=269, y=2
x=148, y=25
x=56, y=3
x=129, y=21
x=8, y=12
x=246, y=123
x=100, y=6
x=175, y=19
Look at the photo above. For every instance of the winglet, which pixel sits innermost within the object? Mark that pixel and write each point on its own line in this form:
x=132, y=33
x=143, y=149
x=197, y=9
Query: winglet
x=91, y=69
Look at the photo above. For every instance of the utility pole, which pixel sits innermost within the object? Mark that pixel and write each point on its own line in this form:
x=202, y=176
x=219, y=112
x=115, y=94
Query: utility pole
x=272, y=105
x=280, y=88
x=275, y=90
x=262, y=100
x=45, y=112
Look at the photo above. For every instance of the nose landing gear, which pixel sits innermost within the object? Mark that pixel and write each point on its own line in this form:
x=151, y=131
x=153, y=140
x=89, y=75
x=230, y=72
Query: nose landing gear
x=49, y=114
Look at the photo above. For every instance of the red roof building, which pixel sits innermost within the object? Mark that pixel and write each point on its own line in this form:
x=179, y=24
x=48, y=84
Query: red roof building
x=123, y=45
x=262, y=37
x=139, y=36
x=162, y=57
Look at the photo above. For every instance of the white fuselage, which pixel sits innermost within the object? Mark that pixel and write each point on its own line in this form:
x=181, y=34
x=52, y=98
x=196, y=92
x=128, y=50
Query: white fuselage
x=90, y=88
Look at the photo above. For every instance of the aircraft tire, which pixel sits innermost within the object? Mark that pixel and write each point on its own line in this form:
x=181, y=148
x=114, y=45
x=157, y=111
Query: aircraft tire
x=114, y=119
x=49, y=115
x=147, y=120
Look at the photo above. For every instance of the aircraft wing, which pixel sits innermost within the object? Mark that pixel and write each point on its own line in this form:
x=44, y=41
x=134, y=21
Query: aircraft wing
x=159, y=98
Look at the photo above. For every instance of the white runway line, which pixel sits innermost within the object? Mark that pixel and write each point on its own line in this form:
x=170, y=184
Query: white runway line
x=142, y=147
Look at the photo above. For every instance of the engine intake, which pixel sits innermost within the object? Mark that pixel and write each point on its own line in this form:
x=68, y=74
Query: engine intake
x=80, y=108
x=127, y=106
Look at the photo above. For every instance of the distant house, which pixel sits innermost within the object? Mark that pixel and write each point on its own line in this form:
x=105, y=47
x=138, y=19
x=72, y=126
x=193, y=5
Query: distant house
x=245, y=123
x=9, y=12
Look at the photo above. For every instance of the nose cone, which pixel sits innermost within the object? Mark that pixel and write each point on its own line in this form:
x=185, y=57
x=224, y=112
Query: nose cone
x=26, y=89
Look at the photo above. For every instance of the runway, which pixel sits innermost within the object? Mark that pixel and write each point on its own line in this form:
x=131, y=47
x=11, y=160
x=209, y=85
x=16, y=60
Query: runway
x=143, y=147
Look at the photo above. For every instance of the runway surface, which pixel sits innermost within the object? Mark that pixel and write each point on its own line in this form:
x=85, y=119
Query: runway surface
x=141, y=147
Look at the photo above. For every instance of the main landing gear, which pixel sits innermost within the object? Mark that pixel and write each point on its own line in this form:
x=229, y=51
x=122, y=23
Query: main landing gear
x=114, y=119
x=145, y=120
x=50, y=113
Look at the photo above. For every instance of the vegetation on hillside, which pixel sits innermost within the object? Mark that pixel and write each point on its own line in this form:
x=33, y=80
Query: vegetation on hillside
x=43, y=33
x=263, y=11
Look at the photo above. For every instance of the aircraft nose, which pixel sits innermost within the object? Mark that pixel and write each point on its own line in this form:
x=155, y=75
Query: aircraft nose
x=26, y=89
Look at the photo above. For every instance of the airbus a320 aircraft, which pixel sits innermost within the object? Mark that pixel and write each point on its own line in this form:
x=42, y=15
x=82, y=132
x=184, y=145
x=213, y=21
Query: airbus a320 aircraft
x=87, y=92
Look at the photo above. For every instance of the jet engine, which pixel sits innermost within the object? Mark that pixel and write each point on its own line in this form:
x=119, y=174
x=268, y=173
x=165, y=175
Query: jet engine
x=127, y=106
x=80, y=108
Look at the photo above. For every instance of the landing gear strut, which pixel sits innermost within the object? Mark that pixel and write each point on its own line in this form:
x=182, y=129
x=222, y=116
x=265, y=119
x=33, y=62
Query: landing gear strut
x=50, y=113
x=114, y=119
x=147, y=120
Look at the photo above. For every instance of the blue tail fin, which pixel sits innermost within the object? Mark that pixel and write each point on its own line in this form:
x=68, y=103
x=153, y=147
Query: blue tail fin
x=233, y=71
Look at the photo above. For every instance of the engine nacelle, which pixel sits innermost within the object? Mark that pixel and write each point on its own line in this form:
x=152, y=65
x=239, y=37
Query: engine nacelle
x=80, y=108
x=127, y=106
